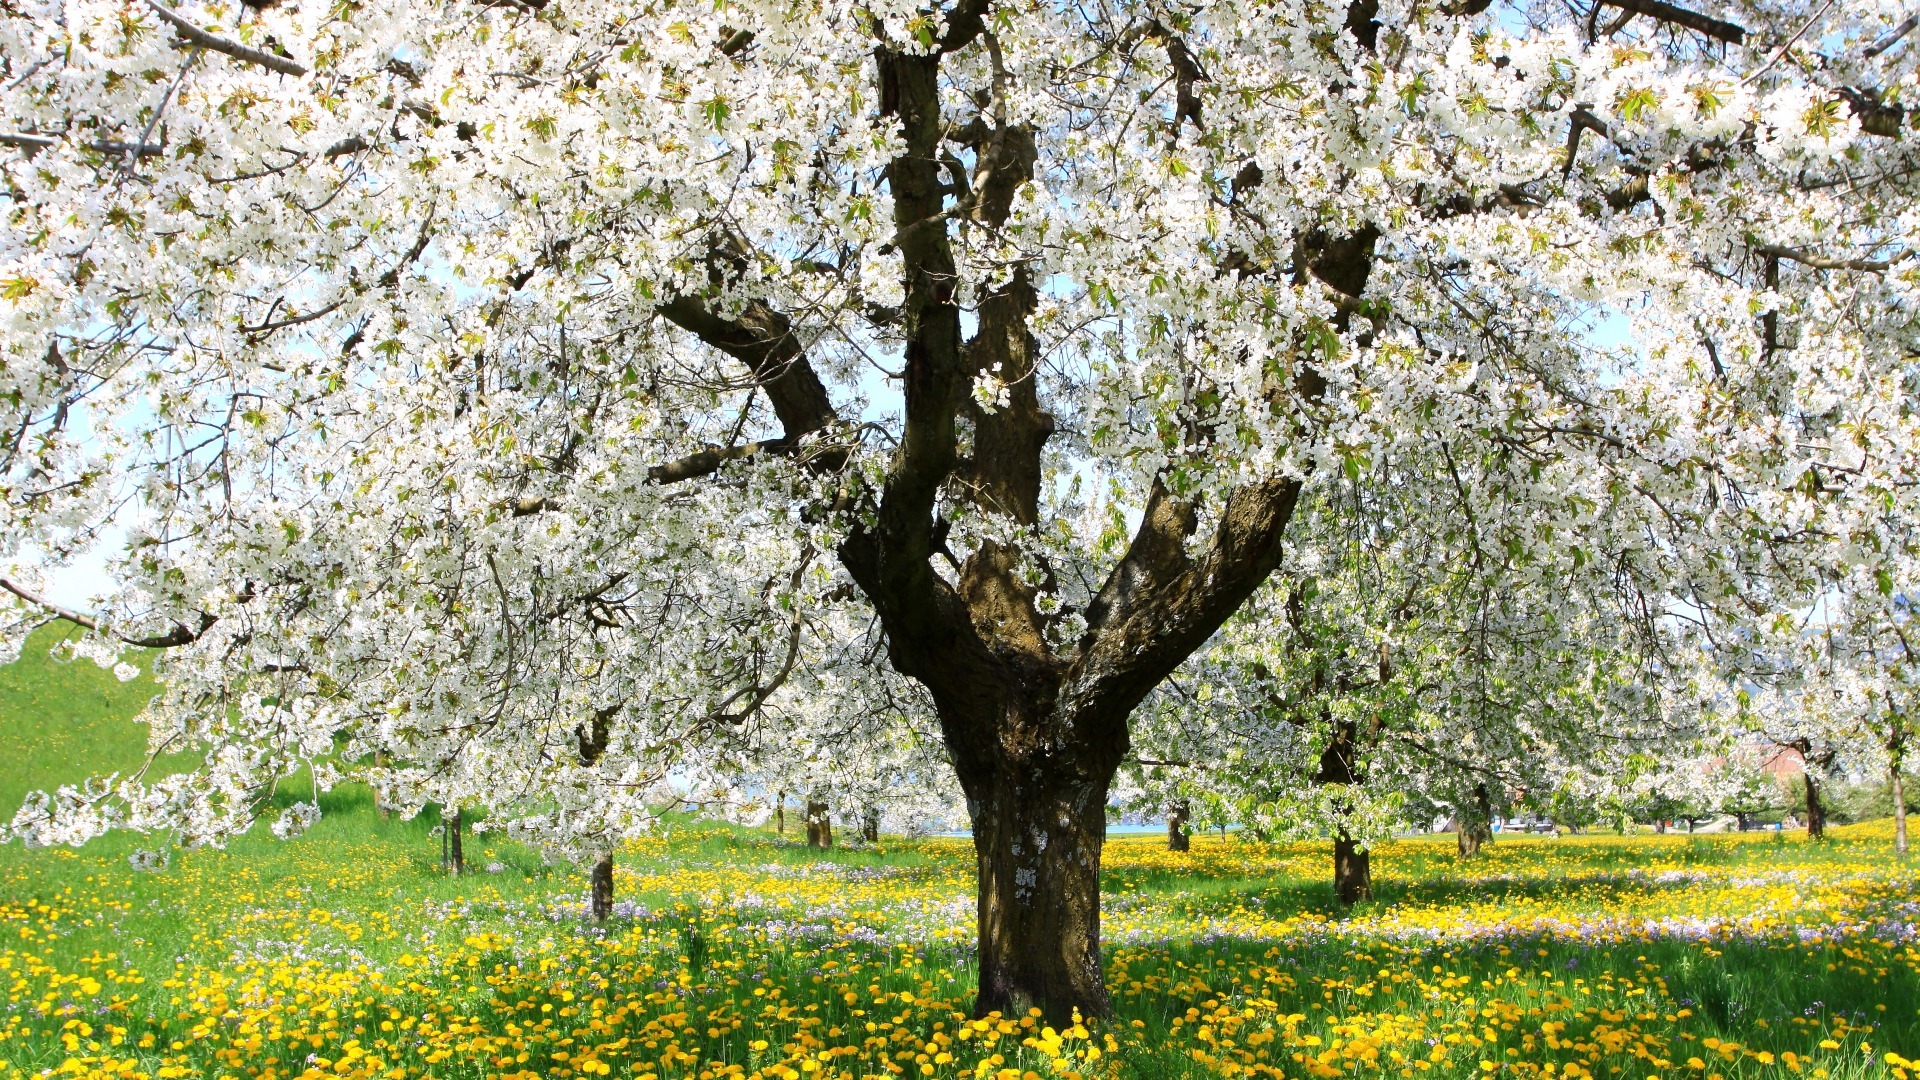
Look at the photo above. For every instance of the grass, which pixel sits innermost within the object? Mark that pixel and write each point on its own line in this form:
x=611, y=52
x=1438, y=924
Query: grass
x=740, y=954
x=61, y=720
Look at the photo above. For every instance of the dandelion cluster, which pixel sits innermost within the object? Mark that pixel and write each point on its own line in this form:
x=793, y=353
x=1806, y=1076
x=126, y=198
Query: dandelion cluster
x=737, y=955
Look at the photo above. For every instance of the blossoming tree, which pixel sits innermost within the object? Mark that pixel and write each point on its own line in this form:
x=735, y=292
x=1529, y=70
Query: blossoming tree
x=511, y=400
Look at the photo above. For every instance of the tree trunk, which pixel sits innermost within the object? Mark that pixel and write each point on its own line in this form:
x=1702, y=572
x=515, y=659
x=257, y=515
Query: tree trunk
x=1469, y=838
x=780, y=813
x=1899, y=809
x=1177, y=815
x=1816, y=813
x=1037, y=840
x=1352, y=870
x=456, y=858
x=870, y=825
x=602, y=888
x=819, y=826
x=1476, y=824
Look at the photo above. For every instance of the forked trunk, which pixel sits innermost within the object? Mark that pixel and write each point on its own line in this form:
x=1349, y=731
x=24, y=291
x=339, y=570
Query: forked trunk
x=1816, y=813
x=1352, y=870
x=1177, y=816
x=1038, y=839
x=602, y=888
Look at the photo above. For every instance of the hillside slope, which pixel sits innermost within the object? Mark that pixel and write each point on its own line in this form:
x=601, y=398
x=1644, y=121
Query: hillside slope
x=62, y=721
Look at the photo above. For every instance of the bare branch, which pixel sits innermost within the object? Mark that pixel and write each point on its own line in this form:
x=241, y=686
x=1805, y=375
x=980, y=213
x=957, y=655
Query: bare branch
x=695, y=465
x=28, y=141
x=392, y=276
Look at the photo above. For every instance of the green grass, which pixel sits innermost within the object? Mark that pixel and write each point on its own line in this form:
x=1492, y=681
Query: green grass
x=62, y=721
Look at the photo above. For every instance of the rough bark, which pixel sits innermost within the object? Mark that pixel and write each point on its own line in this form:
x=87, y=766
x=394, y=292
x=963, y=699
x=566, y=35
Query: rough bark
x=1899, y=808
x=1469, y=840
x=1037, y=840
x=1177, y=815
x=1352, y=870
x=593, y=737
x=601, y=890
x=1816, y=812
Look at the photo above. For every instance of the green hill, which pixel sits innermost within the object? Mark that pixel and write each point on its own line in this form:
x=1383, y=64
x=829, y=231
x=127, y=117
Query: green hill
x=62, y=721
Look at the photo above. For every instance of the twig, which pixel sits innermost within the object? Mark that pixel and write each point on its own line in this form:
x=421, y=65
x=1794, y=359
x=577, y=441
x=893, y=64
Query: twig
x=1804, y=27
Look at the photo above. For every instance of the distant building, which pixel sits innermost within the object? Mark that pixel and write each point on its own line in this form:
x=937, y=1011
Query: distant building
x=1783, y=763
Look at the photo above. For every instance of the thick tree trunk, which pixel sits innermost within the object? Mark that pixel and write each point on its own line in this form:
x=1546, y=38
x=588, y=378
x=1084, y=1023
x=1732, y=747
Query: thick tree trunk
x=1177, y=815
x=870, y=825
x=819, y=826
x=1816, y=813
x=602, y=888
x=1352, y=870
x=1899, y=809
x=1037, y=839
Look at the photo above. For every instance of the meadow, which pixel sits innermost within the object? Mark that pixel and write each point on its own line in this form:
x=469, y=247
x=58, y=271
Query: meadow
x=738, y=953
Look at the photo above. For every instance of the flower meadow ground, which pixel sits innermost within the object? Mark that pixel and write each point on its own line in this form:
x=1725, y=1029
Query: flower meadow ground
x=737, y=954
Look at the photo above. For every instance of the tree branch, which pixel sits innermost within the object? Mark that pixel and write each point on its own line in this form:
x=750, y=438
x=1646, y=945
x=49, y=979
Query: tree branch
x=181, y=634
x=214, y=43
x=1705, y=24
x=763, y=340
x=1821, y=262
x=1892, y=37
